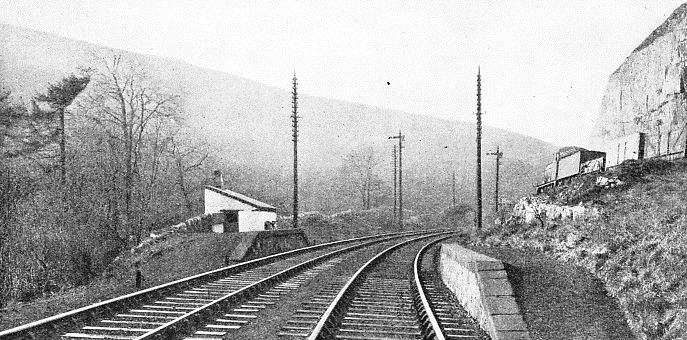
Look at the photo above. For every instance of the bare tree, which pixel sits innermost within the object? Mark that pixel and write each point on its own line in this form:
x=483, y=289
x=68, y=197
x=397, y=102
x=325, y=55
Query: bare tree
x=188, y=158
x=7, y=196
x=363, y=163
x=125, y=104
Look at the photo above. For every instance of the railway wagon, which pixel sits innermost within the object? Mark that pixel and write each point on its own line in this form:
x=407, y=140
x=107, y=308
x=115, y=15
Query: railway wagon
x=569, y=162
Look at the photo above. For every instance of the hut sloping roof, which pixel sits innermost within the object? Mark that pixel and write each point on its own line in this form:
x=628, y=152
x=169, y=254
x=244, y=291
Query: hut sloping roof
x=243, y=199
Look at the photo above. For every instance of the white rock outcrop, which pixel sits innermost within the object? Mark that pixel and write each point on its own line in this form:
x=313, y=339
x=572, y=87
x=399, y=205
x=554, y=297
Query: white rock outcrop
x=534, y=212
x=648, y=92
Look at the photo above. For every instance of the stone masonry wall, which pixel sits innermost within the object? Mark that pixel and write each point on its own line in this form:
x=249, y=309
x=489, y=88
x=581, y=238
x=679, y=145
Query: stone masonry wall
x=481, y=285
x=254, y=244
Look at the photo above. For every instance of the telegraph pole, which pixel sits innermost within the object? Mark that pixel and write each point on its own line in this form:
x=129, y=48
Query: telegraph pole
x=498, y=155
x=453, y=179
x=400, y=138
x=400, y=178
x=478, y=215
x=294, y=121
x=395, y=161
x=453, y=187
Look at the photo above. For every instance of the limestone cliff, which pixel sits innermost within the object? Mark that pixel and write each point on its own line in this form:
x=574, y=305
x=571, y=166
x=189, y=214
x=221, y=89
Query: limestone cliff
x=647, y=93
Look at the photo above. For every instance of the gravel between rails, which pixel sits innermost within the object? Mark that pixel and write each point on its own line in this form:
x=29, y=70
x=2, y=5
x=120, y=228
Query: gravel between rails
x=269, y=321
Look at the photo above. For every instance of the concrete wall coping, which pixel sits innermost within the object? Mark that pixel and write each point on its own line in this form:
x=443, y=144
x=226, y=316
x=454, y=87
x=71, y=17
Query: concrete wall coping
x=481, y=285
x=472, y=260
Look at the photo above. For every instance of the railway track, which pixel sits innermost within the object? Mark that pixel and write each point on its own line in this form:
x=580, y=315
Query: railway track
x=382, y=300
x=448, y=319
x=183, y=306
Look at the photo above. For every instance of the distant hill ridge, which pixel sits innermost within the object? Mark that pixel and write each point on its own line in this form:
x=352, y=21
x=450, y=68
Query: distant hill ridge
x=249, y=122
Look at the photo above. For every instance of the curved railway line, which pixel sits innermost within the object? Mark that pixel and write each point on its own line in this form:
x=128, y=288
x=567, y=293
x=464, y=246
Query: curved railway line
x=383, y=301
x=392, y=296
x=136, y=306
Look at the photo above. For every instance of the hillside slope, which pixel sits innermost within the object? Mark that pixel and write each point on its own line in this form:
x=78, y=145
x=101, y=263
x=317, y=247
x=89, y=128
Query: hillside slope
x=637, y=245
x=174, y=258
x=248, y=123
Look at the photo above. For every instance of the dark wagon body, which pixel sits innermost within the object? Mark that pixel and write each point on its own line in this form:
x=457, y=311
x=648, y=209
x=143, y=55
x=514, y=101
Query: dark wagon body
x=570, y=161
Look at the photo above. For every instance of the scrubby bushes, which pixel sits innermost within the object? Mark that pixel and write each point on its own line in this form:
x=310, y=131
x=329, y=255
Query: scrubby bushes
x=459, y=217
x=322, y=228
x=69, y=206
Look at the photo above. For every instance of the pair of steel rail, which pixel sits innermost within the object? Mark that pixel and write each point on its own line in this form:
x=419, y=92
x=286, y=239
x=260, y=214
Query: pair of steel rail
x=329, y=322
x=57, y=324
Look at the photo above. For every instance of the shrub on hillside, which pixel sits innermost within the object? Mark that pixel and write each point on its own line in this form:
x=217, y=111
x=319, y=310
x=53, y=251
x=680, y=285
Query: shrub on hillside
x=633, y=170
x=351, y=223
x=459, y=217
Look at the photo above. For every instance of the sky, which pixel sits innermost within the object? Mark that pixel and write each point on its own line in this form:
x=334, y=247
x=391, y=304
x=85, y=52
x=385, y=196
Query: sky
x=544, y=64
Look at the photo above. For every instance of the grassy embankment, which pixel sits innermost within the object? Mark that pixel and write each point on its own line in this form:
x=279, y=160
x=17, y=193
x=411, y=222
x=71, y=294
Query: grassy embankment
x=637, y=246
x=175, y=257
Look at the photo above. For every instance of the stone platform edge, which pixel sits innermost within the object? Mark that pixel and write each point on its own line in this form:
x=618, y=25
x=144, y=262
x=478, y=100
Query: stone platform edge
x=481, y=285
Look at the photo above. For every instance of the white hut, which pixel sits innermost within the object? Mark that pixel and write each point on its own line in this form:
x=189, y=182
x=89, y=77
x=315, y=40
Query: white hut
x=237, y=212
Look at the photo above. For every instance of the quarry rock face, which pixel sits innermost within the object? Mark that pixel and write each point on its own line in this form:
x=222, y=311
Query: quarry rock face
x=647, y=93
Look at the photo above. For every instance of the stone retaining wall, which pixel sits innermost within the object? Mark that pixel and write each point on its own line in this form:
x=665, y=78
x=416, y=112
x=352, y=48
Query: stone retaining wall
x=481, y=285
x=197, y=224
x=254, y=244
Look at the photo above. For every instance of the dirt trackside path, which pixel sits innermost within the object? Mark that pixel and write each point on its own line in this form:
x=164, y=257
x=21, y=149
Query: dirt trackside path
x=559, y=300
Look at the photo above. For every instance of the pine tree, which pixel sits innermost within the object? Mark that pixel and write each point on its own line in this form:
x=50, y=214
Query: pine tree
x=59, y=96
